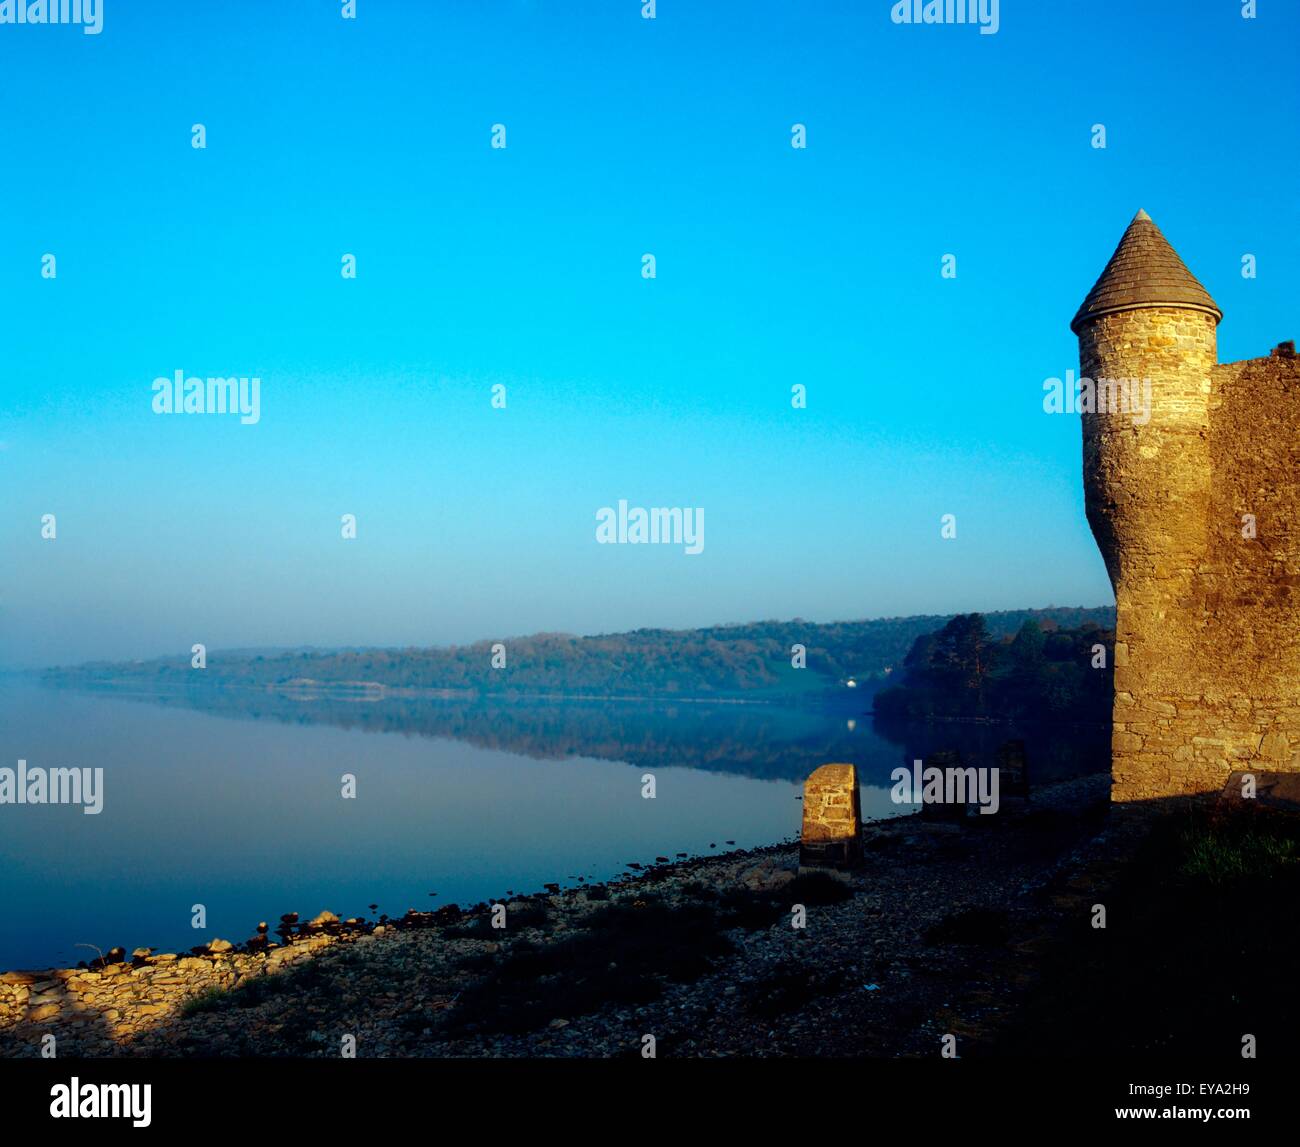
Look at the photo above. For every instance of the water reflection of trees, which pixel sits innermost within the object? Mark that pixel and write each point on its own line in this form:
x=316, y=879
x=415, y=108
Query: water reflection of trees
x=1053, y=751
x=755, y=740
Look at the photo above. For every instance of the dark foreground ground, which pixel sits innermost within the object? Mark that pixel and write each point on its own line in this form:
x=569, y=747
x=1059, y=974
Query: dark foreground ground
x=983, y=931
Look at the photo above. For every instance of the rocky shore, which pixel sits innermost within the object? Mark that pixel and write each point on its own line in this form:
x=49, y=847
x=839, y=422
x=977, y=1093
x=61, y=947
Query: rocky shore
x=114, y=998
x=936, y=932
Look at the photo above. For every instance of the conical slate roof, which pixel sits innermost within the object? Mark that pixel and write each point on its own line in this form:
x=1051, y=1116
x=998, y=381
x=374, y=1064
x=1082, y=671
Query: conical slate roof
x=1145, y=271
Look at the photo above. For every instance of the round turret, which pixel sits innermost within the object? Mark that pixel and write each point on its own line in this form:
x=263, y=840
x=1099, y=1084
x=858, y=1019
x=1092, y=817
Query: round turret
x=1146, y=349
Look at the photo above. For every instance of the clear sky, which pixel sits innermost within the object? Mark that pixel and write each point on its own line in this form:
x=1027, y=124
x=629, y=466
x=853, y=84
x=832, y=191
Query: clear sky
x=523, y=266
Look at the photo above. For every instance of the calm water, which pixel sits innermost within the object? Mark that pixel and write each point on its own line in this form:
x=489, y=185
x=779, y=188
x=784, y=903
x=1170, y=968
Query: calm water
x=234, y=802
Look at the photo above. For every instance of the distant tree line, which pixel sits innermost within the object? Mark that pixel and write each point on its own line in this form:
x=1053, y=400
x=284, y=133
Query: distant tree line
x=751, y=661
x=1043, y=671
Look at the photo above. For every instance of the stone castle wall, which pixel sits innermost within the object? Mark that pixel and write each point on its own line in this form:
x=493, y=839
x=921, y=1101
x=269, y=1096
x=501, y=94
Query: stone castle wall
x=1251, y=592
x=1207, y=655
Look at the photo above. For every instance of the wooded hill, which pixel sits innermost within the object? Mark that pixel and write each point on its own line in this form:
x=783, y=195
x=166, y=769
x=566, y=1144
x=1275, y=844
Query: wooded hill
x=751, y=661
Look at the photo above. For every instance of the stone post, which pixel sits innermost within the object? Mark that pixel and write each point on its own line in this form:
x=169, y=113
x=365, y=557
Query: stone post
x=1013, y=768
x=832, y=818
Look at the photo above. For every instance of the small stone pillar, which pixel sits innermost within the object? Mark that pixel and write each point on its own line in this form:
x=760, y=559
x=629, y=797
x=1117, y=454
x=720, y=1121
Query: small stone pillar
x=940, y=809
x=1013, y=770
x=832, y=818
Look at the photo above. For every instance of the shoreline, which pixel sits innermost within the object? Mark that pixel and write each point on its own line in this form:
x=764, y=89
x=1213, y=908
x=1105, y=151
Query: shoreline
x=334, y=927
x=132, y=992
x=663, y=947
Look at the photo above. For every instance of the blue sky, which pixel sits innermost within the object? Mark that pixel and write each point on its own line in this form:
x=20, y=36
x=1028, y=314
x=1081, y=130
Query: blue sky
x=522, y=266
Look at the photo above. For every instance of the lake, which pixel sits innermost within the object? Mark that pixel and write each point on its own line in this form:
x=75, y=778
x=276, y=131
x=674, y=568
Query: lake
x=233, y=801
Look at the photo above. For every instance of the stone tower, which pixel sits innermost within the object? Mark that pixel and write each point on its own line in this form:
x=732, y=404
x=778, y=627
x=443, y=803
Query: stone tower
x=1192, y=482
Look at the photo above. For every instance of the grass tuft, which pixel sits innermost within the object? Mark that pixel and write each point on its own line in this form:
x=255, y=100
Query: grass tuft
x=1227, y=854
x=208, y=1000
